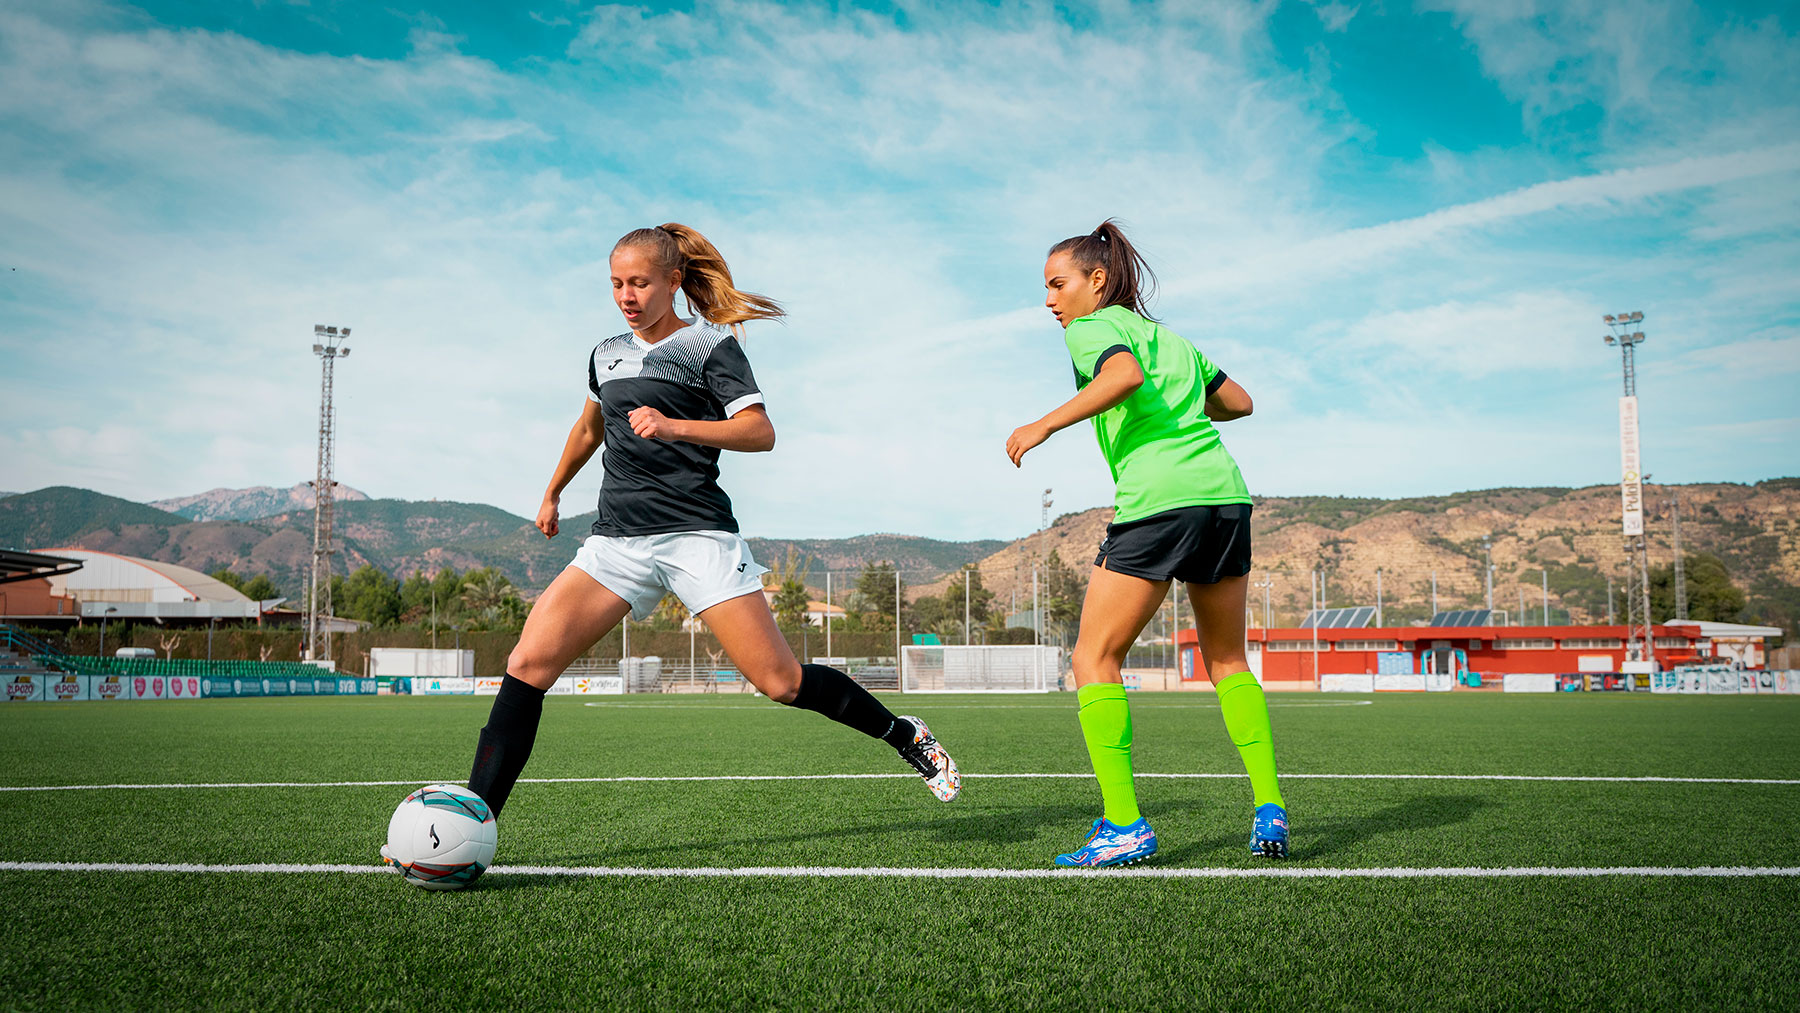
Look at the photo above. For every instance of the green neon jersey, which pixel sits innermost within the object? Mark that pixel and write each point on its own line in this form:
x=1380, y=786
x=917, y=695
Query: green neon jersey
x=1163, y=451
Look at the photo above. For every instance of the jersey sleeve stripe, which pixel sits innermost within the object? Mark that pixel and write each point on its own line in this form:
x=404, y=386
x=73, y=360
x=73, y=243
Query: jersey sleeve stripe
x=1109, y=353
x=1218, y=380
x=739, y=404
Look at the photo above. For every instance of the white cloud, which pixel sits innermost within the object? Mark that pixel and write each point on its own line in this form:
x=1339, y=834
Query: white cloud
x=184, y=205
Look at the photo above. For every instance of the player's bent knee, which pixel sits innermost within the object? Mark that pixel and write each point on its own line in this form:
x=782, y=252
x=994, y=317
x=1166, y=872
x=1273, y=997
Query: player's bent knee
x=530, y=667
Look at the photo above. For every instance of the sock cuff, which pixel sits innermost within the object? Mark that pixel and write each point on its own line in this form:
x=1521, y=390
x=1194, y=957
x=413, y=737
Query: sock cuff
x=1236, y=681
x=512, y=687
x=1094, y=692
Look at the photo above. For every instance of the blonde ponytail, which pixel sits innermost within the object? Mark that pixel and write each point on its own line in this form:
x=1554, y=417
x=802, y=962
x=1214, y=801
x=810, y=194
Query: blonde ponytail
x=705, y=278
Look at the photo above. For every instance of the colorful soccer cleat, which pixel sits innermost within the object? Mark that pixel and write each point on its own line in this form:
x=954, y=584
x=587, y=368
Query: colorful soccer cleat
x=1268, y=835
x=1111, y=845
x=932, y=763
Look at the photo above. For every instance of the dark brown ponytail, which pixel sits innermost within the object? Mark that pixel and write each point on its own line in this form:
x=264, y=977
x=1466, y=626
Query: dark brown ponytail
x=1129, y=281
x=705, y=278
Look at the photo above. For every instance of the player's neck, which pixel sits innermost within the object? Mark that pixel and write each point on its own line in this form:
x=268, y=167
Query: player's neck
x=666, y=325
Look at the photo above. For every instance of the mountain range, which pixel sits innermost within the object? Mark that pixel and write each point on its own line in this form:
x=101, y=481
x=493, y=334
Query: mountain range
x=249, y=504
x=1543, y=543
x=399, y=537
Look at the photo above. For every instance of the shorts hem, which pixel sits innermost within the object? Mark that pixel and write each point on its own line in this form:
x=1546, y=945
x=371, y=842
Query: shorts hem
x=695, y=608
x=1132, y=571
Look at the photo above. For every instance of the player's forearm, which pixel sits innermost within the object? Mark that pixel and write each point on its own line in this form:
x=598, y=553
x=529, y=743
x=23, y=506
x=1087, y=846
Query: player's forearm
x=578, y=449
x=747, y=432
x=1107, y=391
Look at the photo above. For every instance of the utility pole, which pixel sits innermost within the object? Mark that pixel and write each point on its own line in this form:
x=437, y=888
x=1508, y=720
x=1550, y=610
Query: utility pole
x=1546, y=574
x=329, y=344
x=1638, y=642
x=1611, y=613
x=1266, y=583
x=1681, y=602
x=1434, y=605
x=1378, y=596
x=1044, y=518
x=1487, y=546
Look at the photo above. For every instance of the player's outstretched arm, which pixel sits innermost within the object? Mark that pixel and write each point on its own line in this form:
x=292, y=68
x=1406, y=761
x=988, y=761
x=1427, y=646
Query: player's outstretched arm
x=585, y=437
x=749, y=431
x=1120, y=377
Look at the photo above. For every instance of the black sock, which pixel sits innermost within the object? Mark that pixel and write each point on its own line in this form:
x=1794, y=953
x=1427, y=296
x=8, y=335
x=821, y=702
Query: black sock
x=505, y=743
x=839, y=697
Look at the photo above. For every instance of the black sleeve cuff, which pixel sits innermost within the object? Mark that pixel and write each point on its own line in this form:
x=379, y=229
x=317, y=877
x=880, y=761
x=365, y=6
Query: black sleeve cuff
x=1109, y=353
x=1218, y=381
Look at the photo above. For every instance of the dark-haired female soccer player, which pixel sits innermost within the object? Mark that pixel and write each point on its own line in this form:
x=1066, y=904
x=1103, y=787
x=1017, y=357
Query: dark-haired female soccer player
x=664, y=399
x=1182, y=512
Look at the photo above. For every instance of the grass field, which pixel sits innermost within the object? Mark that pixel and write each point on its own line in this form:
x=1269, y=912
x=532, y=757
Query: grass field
x=1658, y=938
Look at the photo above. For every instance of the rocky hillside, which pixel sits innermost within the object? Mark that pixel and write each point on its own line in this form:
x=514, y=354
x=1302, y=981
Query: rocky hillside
x=399, y=537
x=1570, y=536
x=249, y=504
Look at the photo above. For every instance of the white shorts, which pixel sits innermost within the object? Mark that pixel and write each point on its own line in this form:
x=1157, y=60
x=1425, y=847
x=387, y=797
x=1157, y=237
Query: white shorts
x=703, y=568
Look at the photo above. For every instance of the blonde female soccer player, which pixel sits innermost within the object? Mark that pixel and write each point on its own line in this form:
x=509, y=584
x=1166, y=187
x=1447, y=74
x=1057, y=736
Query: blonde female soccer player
x=1182, y=512
x=663, y=399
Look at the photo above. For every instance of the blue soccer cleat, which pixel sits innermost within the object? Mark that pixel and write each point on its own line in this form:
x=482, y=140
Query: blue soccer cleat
x=1268, y=835
x=1111, y=845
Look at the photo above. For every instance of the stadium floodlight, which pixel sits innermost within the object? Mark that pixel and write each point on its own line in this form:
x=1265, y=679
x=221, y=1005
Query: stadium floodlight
x=1609, y=318
x=320, y=328
x=329, y=348
x=1609, y=339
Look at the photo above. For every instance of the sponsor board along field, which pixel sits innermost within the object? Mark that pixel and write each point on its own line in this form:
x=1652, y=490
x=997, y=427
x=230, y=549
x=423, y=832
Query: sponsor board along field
x=1453, y=851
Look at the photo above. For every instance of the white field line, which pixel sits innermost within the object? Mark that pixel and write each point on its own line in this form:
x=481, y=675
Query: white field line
x=826, y=871
x=675, y=778
x=928, y=707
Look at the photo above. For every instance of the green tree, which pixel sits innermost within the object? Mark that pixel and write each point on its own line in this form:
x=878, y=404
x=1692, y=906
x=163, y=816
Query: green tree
x=876, y=586
x=486, y=588
x=369, y=595
x=229, y=579
x=260, y=588
x=1712, y=597
x=979, y=603
x=1061, y=596
x=790, y=603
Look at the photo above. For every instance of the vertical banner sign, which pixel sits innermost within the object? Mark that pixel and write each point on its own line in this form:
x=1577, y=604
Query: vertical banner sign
x=1631, y=483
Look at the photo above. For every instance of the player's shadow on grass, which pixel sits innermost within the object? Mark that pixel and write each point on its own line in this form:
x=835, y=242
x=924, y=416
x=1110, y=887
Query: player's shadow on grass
x=1323, y=834
x=990, y=825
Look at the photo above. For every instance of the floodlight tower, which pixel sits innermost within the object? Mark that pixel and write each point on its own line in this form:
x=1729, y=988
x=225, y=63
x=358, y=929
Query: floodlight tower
x=1639, y=644
x=329, y=344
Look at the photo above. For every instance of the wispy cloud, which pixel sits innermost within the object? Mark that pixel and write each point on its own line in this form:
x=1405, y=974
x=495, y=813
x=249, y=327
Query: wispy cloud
x=183, y=204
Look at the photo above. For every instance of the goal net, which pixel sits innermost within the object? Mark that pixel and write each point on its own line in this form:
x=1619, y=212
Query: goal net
x=1021, y=668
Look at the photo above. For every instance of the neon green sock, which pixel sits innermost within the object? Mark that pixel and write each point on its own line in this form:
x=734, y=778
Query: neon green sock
x=1246, y=713
x=1106, y=725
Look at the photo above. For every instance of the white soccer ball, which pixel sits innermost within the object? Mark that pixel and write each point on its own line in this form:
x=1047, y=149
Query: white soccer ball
x=441, y=837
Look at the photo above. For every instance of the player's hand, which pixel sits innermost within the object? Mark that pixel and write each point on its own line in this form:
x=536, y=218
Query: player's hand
x=652, y=424
x=546, y=518
x=1024, y=438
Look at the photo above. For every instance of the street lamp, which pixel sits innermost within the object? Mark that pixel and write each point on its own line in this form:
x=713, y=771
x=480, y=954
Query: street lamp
x=109, y=611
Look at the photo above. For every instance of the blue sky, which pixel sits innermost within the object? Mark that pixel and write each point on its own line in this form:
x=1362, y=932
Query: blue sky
x=1396, y=224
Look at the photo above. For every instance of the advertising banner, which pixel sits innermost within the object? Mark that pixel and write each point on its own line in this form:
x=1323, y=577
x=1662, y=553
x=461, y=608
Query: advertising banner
x=65, y=687
x=109, y=687
x=1528, y=682
x=22, y=688
x=598, y=685
x=1402, y=683
x=1348, y=683
x=487, y=687
x=1631, y=481
x=443, y=687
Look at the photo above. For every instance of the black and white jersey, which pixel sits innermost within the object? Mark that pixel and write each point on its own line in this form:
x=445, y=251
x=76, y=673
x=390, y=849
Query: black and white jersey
x=655, y=486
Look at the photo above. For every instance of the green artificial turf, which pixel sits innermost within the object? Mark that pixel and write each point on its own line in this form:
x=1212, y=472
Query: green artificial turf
x=341, y=940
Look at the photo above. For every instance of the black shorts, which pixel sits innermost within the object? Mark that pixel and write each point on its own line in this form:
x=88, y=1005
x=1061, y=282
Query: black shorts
x=1195, y=545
